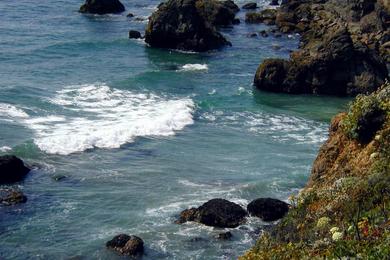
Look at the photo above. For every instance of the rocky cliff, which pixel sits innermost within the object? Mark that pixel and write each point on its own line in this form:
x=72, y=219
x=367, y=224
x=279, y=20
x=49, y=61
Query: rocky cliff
x=344, y=210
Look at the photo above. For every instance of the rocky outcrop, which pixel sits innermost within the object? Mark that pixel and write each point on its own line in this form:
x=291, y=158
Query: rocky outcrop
x=102, y=7
x=12, y=169
x=341, y=50
x=224, y=236
x=344, y=210
x=190, y=24
x=11, y=197
x=216, y=213
x=126, y=245
x=268, y=209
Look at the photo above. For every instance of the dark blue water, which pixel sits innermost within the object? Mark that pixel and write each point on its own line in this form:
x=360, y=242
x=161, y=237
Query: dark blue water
x=138, y=134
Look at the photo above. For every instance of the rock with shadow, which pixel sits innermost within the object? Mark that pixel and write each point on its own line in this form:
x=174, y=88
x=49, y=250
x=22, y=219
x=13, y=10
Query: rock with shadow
x=268, y=209
x=126, y=245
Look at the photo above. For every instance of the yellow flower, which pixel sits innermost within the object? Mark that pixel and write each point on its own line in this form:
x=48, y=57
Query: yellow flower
x=334, y=230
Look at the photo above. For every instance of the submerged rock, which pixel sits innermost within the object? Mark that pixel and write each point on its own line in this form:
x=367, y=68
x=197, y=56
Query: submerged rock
x=102, y=7
x=12, y=169
x=190, y=24
x=11, y=197
x=225, y=236
x=126, y=245
x=134, y=34
x=268, y=209
x=216, y=213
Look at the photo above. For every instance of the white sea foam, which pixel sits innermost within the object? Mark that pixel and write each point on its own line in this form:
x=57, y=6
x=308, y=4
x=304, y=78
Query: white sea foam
x=10, y=111
x=5, y=149
x=194, y=67
x=105, y=118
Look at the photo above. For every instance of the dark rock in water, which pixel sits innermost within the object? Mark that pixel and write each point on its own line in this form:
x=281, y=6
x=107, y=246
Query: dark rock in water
x=268, y=209
x=236, y=21
x=134, y=34
x=190, y=24
x=267, y=16
x=274, y=2
x=252, y=35
x=102, y=7
x=225, y=236
x=216, y=213
x=126, y=245
x=12, y=169
x=249, y=6
x=334, y=66
x=59, y=177
x=11, y=197
x=130, y=15
x=263, y=33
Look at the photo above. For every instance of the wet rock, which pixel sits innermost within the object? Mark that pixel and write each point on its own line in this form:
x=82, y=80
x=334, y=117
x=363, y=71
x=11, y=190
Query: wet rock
x=216, y=213
x=134, y=34
x=11, y=197
x=271, y=74
x=249, y=6
x=252, y=35
x=225, y=236
x=126, y=245
x=268, y=209
x=102, y=7
x=130, y=15
x=267, y=16
x=12, y=169
x=190, y=24
x=274, y=2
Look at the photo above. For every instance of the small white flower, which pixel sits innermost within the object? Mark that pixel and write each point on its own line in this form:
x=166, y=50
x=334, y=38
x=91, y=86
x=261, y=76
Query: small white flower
x=334, y=229
x=337, y=236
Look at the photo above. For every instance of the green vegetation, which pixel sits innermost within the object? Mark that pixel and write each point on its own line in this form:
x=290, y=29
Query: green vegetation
x=348, y=216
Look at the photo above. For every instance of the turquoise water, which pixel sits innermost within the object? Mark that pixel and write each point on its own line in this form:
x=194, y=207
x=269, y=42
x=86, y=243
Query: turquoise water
x=123, y=137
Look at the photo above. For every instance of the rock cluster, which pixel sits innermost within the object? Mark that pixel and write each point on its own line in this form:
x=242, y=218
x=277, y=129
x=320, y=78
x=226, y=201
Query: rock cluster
x=341, y=50
x=225, y=214
x=12, y=169
x=190, y=25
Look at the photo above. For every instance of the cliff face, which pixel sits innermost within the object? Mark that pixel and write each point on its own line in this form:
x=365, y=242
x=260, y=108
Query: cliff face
x=344, y=211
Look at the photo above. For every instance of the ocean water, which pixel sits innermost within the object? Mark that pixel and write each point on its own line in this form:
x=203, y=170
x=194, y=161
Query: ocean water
x=122, y=137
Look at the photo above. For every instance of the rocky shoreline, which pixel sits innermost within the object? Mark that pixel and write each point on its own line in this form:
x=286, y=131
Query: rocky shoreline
x=344, y=51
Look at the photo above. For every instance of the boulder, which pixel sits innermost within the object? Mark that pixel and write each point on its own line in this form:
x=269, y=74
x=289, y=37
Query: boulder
x=274, y=2
x=190, y=24
x=268, y=209
x=216, y=213
x=11, y=197
x=249, y=6
x=12, y=169
x=102, y=7
x=134, y=34
x=126, y=245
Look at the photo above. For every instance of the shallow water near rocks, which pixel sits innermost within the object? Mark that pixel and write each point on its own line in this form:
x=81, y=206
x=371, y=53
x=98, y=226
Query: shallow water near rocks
x=123, y=137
